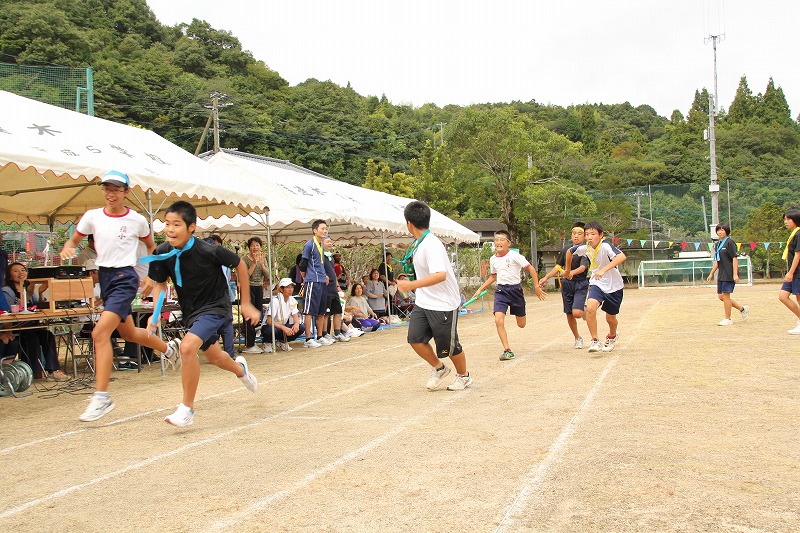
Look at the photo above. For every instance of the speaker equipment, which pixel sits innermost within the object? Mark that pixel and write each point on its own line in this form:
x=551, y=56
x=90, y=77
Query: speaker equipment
x=58, y=272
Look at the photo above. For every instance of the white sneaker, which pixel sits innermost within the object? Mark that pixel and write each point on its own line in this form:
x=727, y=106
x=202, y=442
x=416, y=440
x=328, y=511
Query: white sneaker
x=796, y=330
x=182, y=417
x=311, y=343
x=325, y=341
x=248, y=380
x=330, y=338
x=97, y=408
x=437, y=376
x=354, y=332
x=745, y=312
x=253, y=349
x=267, y=347
x=341, y=337
x=725, y=322
x=173, y=355
x=579, y=343
x=610, y=343
x=461, y=382
x=284, y=346
x=595, y=346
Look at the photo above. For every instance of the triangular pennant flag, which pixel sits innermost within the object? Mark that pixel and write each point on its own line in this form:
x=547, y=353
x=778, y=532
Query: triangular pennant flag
x=753, y=245
x=780, y=244
x=656, y=243
x=630, y=241
x=683, y=245
x=766, y=245
x=671, y=243
x=739, y=245
x=711, y=247
x=616, y=240
x=642, y=243
x=697, y=246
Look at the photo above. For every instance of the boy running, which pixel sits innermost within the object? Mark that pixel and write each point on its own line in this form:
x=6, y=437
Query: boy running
x=435, y=314
x=505, y=267
x=194, y=266
x=575, y=288
x=791, y=254
x=117, y=231
x=727, y=262
x=605, y=284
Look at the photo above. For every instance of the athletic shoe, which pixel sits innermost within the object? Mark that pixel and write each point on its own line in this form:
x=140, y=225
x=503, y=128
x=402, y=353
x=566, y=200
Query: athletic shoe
x=98, y=407
x=725, y=322
x=311, y=343
x=253, y=349
x=610, y=343
x=354, y=332
x=330, y=338
x=437, y=376
x=745, y=312
x=325, y=341
x=284, y=346
x=128, y=365
x=595, y=346
x=461, y=382
x=341, y=337
x=173, y=354
x=248, y=380
x=508, y=355
x=796, y=330
x=579, y=343
x=267, y=347
x=182, y=417
x=58, y=375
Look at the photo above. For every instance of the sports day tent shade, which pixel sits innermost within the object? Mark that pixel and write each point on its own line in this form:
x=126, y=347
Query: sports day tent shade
x=51, y=159
x=298, y=197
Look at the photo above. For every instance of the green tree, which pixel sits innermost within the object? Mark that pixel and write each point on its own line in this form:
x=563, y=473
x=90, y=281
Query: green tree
x=743, y=106
x=773, y=106
x=588, y=128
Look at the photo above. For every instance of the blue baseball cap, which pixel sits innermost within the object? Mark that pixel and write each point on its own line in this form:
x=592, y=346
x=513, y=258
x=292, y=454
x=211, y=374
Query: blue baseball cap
x=115, y=177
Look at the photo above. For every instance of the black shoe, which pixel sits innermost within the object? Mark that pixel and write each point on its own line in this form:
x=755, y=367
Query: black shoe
x=128, y=365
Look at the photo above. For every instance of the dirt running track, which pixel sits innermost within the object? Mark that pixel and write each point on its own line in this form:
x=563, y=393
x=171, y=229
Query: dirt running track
x=686, y=426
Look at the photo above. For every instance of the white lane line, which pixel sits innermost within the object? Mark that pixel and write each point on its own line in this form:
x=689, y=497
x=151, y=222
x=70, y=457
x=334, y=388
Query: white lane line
x=536, y=475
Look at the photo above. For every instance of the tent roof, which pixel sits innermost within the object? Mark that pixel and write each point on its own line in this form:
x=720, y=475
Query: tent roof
x=50, y=156
x=297, y=197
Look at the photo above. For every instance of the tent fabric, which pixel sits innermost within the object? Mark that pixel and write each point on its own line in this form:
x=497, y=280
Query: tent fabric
x=297, y=198
x=51, y=158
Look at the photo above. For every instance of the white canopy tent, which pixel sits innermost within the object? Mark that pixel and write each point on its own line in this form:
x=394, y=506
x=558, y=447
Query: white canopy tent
x=51, y=158
x=297, y=197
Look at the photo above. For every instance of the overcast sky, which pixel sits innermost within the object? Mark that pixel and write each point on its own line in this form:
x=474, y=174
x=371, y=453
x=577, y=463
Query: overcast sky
x=553, y=51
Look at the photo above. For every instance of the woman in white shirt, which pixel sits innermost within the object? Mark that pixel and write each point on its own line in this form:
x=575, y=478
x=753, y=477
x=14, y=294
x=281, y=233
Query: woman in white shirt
x=376, y=293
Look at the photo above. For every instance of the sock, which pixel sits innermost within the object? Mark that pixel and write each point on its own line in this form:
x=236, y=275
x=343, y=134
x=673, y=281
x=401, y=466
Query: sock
x=440, y=368
x=337, y=332
x=100, y=394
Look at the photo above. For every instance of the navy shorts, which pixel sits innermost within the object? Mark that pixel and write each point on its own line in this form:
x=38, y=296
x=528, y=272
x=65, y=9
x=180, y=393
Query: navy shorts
x=315, y=298
x=725, y=286
x=334, y=305
x=441, y=326
x=610, y=302
x=211, y=328
x=792, y=287
x=118, y=288
x=573, y=293
x=506, y=296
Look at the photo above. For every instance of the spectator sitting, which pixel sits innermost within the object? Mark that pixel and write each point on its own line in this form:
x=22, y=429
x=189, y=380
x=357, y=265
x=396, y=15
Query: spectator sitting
x=359, y=307
x=38, y=342
x=9, y=345
x=375, y=291
x=283, y=311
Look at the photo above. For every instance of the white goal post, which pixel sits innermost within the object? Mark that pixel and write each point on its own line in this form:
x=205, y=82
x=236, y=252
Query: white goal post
x=686, y=272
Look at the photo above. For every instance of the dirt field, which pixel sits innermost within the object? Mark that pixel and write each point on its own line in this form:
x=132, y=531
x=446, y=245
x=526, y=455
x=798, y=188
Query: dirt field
x=686, y=426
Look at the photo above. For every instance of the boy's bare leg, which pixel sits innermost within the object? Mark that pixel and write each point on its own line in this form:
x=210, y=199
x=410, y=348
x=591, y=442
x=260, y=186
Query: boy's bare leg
x=220, y=358
x=785, y=298
x=591, y=316
x=728, y=303
x=573, y=325
x=128, y=331
x=321, y=329
x=500, y=323
x=103, y=352
x=460, y=363
x=612, y=325
x=425, y=351
x=190, y=367
x=521, y=321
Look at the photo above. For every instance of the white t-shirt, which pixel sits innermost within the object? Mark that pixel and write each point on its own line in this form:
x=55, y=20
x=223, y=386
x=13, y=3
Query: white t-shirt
x=116, y=237
x=431, y=257
x=508, y=267
x=282, y=310
x=611, y=280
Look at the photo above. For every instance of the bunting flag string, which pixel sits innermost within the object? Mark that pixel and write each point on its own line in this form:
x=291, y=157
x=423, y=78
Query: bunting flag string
x=753, y=245
x=616, y=240
x=683, y=245
x=766, y=245
x=697, y=246
x=630, y=241
x=656, y=243
x=642, y=242
x=711, y=247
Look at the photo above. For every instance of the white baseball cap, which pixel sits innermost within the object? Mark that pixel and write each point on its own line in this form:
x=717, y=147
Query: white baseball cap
x=285, y=282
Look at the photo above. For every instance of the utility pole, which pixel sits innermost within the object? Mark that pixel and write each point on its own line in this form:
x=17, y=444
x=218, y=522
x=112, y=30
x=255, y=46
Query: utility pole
x=534, y=244
x=713, y=187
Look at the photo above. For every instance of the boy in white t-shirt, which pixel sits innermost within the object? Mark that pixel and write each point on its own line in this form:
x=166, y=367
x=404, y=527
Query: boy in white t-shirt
x=605, y=283
x=506, y=267
x=435, y=314
x=117, y=231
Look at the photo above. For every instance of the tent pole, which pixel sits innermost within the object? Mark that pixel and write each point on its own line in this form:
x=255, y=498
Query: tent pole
x=271, y=280
x=386, y=275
